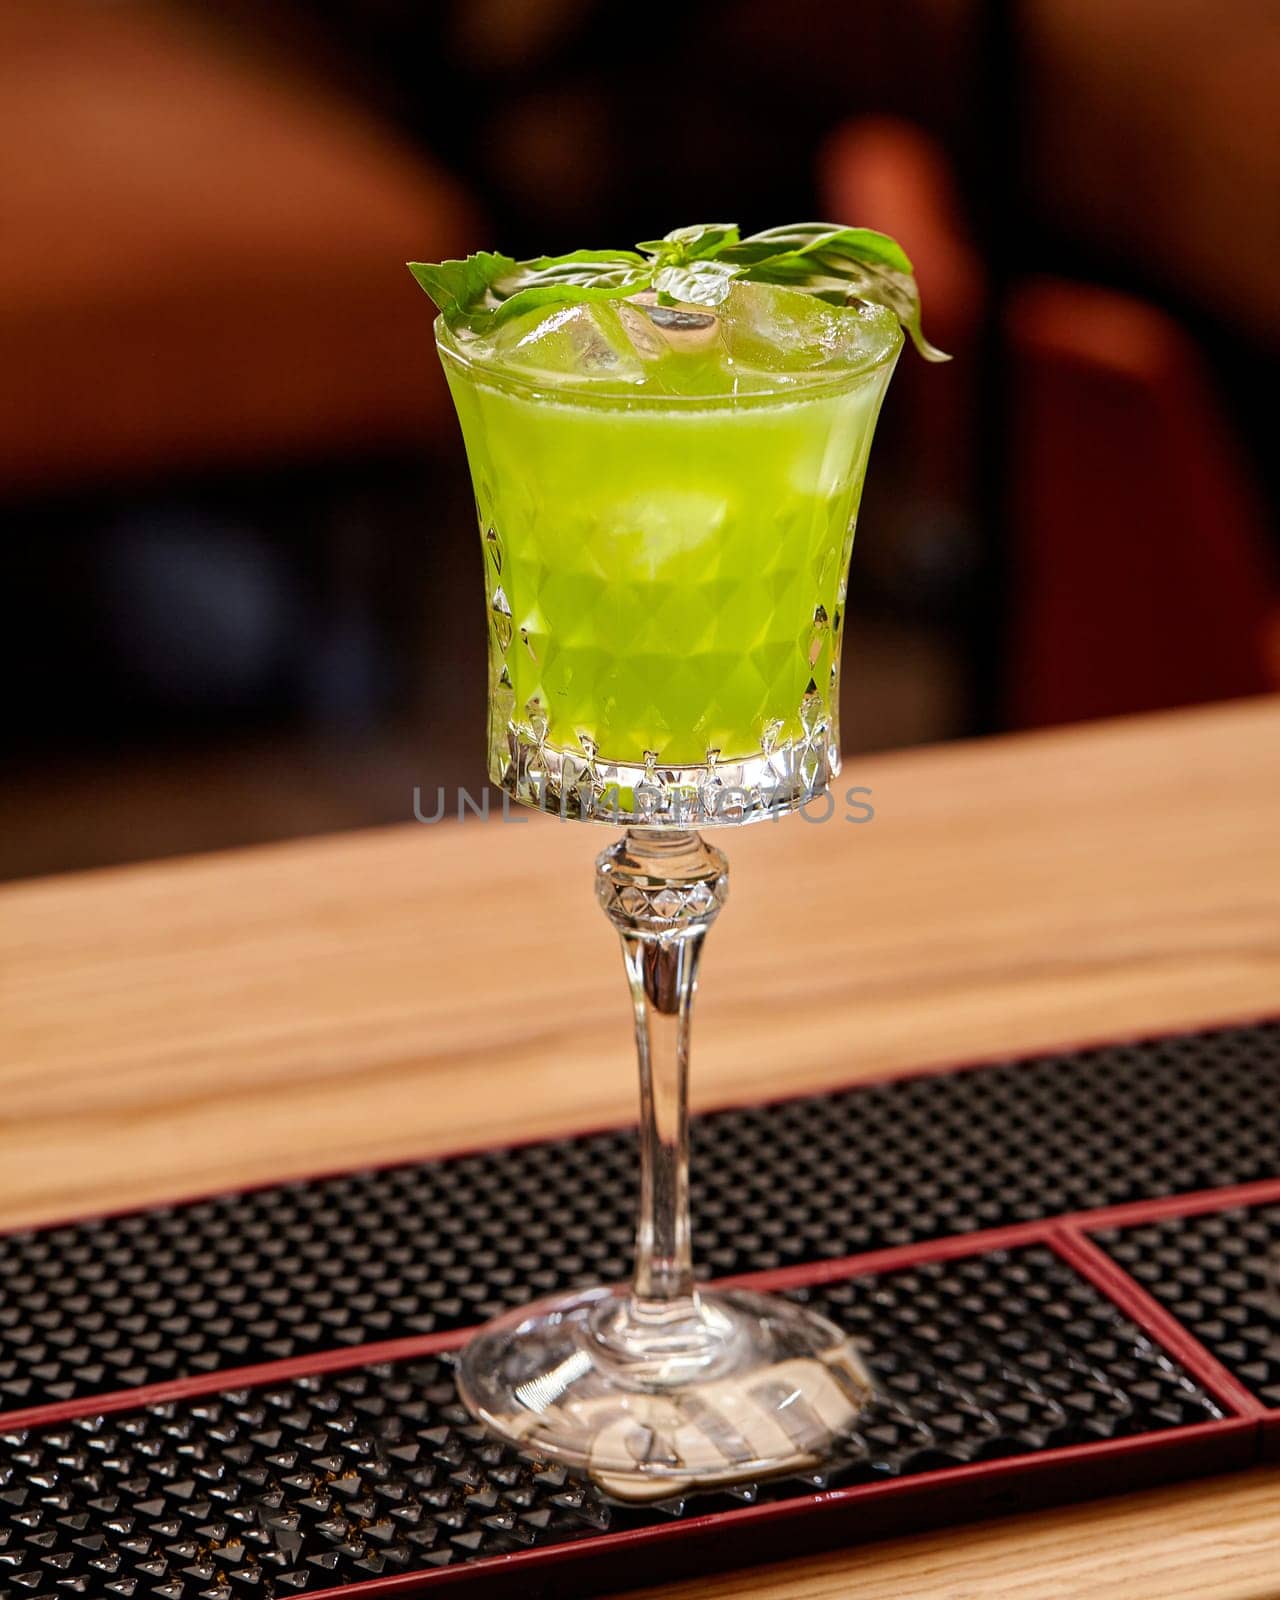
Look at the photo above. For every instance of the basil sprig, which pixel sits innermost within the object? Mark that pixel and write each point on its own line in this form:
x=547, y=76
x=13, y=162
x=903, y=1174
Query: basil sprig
x=695, y=265
x=488, y=288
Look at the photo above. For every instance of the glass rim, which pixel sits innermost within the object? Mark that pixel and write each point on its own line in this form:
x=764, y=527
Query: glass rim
x=582, y=396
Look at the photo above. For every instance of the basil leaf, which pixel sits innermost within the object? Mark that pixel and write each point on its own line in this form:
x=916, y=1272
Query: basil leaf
x=459, y=287
x=703, y=282
x=838, y=264
x=801, y=238
x=589, y=268
x=841, y=278
x=693, y=243
x=581, y=275
x=486, y=288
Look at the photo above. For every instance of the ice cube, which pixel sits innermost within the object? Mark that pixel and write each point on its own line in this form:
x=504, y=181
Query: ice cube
x=648, y=343
x=683, y=328
x=794, y=337
x=585, y=343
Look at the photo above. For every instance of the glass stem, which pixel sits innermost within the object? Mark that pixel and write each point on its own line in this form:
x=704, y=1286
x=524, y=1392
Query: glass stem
x=662, y=889
x=662, y=975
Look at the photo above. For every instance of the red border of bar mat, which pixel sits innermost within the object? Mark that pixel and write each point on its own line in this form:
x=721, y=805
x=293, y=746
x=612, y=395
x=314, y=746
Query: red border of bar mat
x=829, y=1517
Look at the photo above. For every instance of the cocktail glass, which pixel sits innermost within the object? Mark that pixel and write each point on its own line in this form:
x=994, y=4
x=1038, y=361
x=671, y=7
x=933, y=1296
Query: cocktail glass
x=665, y=576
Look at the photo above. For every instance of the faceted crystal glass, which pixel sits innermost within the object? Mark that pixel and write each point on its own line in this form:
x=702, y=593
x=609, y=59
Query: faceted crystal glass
x=665, y=582
x=665, y=586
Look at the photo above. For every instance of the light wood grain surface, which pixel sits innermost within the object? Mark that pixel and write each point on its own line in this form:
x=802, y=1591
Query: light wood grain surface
x=195, y=1025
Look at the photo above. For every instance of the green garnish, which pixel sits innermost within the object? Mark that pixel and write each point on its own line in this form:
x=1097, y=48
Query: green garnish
x=695, y=265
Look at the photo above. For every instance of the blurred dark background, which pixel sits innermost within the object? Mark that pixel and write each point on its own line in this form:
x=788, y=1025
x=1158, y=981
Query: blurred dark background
x=239, y=583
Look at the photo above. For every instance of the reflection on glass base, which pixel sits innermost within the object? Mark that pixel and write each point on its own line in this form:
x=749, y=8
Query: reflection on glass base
x=582, y=786
x=741, y=1387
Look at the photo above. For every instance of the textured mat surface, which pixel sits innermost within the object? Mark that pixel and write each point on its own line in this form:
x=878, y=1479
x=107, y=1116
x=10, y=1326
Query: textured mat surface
x=1219, y=1274
x=329, y=1480
x=283, y=1272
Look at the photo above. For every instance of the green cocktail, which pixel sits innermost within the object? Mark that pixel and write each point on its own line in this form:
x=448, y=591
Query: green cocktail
x=668, y=447
x=667, y=503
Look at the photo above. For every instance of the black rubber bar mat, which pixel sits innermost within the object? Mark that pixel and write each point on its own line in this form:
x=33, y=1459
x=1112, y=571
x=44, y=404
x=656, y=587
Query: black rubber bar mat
x=1060, y=1269
x=338, y=1479
x=280, y=1273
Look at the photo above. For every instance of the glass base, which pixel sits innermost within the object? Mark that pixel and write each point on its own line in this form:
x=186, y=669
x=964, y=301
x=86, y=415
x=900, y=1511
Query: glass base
x=653, y=1398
